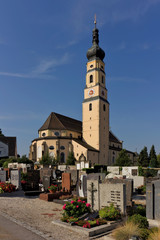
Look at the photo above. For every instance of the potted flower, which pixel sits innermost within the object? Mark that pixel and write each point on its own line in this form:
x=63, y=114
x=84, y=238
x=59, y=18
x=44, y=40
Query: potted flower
x=53, y=188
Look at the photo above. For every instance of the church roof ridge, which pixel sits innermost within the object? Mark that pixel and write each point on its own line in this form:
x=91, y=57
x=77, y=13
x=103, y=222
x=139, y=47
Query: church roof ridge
x=58, y=121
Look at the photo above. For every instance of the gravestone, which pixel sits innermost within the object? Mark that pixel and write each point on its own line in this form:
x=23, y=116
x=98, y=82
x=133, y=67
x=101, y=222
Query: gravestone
x=3, y=176
x=16, y=178
x=83, y=186
x=101, y=194
x=112, y=169
x=46, y=182
x=129, y=186
x=153, y=200
x=66, y=182
x=100, y=176
x=46, y=172
x=33, y=179
x=58, y=174
x=73, y=176
x=130, y=171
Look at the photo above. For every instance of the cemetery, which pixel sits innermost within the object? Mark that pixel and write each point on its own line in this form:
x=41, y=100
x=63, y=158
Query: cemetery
x=93, y=202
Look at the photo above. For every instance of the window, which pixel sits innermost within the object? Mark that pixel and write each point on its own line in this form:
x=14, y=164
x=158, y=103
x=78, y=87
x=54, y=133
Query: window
x=101, y=66
x=62, y=157
x=56, y=133
x=51, y=147
x=91, y=78
x=70, y=135
x=91, y=66
x=104, y=107
x=62, y=147
x=102, y=79
x=90, y=107
x=43, y=134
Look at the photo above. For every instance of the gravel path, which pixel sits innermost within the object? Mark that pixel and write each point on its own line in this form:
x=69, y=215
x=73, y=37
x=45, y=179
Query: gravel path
x=36, y=215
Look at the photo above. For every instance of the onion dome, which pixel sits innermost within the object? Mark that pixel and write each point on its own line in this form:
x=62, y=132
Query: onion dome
x=95, y=51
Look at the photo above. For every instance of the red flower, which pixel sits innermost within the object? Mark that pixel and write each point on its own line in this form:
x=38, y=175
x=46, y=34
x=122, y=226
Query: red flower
x=88, y=204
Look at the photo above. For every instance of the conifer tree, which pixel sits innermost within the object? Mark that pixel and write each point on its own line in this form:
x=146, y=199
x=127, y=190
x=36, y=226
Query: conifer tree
x=143, y=159
x=71, y=159
x=153, y=158
x=123, y=159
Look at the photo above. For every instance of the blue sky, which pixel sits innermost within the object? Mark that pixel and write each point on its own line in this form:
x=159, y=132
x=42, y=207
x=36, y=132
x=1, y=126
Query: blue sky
x=43, y=47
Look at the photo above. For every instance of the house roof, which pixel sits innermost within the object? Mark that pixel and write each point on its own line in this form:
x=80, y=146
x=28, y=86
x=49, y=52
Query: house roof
x=113, y=138
x=11, y=142
x=57, y=121
x=84, y=144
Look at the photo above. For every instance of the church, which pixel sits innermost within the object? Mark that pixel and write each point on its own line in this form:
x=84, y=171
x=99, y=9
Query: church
x=91, y=141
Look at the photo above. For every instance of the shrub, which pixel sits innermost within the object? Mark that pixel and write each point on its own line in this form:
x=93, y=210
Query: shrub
x=144, y=233
x=110, y=213
x=139, y=220
x=141, y=210
x=76, y=208
x=53, y=187
x=125, y=232
x=142, y=189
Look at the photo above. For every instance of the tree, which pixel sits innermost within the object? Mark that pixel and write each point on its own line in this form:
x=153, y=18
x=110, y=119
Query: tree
x=46, y=159
x=143, y=159
x=153, y=158
x=24, y=159
x=70, y=159
x=123, y=159
x=158, y=159
x=1, y=134
x=152, y=153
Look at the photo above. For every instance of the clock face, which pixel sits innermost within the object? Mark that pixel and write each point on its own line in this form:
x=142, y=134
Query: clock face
x=91, y=92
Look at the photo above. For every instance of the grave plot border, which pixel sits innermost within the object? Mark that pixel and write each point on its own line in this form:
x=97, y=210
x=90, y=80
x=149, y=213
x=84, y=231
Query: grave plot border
x=89, y=232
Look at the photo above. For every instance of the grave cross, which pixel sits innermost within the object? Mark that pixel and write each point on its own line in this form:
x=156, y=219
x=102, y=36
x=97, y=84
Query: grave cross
x=92, y=190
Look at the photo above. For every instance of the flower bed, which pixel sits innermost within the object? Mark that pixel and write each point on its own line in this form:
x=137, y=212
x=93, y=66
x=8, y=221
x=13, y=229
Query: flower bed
x=6, y=187
x=74, y=210
x=53, y=188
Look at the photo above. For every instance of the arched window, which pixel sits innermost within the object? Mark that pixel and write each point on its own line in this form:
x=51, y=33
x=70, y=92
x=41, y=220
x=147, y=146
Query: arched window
x=91, y=78
x=113, y=159
x=104, y=107
x=102, y=79
x=90, y=107
x=62, y=157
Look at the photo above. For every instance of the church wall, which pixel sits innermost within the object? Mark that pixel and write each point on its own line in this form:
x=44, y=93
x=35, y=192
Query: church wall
x=91, y=124
x=104, y=133
x=63, y=133
x=78, y=150
x=93, y=157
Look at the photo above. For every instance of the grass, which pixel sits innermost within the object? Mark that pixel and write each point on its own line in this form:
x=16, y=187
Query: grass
x=125, y=232
x=155, y=235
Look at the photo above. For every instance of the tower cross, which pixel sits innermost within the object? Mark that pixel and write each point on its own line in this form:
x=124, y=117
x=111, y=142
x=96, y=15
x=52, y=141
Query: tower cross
x=95, y=20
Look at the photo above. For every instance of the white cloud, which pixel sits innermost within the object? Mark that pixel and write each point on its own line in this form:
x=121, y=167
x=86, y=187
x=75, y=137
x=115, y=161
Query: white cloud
x=44, y=68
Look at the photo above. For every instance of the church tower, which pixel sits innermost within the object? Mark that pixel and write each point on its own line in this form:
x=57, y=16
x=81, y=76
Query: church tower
x=95, y=105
